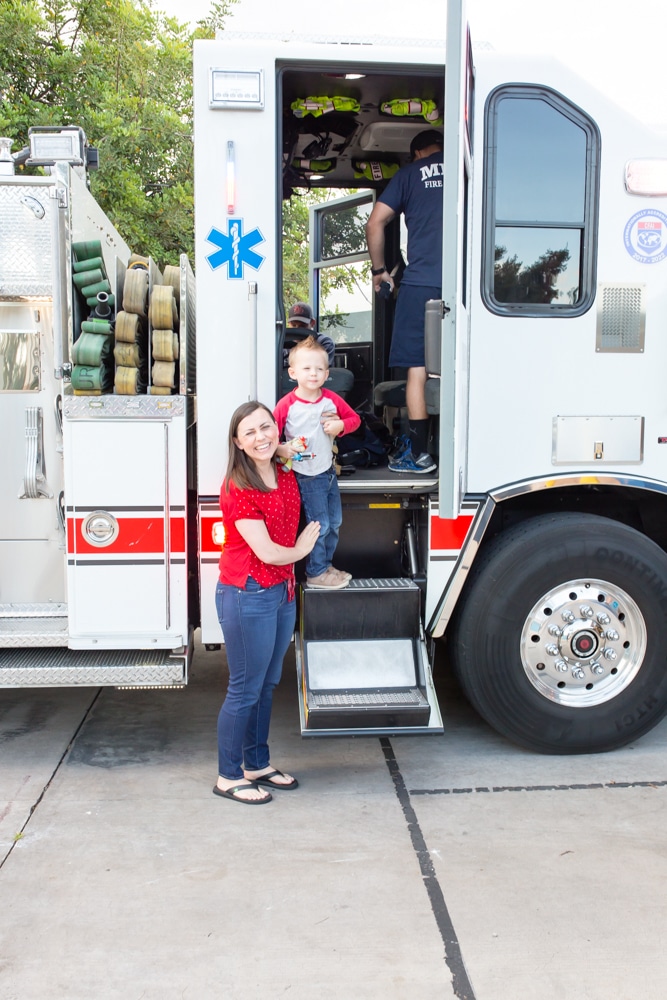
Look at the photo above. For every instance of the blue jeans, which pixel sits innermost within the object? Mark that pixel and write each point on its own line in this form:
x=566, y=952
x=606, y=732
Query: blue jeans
x=257, y=624
x=320, y=498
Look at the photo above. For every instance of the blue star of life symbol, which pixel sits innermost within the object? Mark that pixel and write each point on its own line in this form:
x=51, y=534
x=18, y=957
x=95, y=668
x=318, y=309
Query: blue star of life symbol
x=235, y=248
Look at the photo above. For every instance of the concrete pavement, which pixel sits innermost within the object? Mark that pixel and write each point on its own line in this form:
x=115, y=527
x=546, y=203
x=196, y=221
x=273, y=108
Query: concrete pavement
x=430, y=867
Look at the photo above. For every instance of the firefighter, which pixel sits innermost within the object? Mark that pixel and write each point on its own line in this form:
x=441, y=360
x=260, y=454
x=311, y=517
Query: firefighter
x=416, y=190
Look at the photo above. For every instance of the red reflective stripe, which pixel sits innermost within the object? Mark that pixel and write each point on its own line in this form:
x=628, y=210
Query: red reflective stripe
x=206, y=543
x=177, y=534
x=136, y=536
x=450, y=533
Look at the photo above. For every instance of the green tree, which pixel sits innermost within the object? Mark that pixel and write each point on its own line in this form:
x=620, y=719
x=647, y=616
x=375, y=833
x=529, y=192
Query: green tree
x=536, y=283
x=123, y=72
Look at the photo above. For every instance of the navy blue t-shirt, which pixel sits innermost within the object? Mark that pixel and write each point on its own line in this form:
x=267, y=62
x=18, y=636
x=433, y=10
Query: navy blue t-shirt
x=416, y=190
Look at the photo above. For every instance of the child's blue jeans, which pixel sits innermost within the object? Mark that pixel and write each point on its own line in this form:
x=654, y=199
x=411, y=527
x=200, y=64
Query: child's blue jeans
x=320, y=497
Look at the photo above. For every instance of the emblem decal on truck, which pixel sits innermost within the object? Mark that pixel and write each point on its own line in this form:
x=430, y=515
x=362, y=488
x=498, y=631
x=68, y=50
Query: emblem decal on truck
x=235, y=248
x=645, y=236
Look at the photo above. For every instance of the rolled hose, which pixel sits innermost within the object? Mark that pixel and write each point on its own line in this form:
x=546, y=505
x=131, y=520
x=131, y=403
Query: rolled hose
x=89, y=379
x=165, y=345
x=91, y=349
x=129, y=382
x=128, y=328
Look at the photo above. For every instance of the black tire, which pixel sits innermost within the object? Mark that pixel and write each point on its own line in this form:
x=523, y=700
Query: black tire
x=596, y=693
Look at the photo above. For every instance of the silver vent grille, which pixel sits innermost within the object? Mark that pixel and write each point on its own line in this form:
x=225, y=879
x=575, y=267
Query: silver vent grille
x=621, y=318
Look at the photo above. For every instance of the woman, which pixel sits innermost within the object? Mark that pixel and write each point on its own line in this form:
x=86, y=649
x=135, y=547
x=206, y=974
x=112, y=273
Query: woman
x=260, y=507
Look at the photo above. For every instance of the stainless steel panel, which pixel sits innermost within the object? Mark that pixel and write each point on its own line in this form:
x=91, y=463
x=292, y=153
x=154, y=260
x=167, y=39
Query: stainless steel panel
x=91, y=668
x=30, y=631
x=32, y=564
x=188, y=324
x=19, y=361
x=26, y=210
x=364, y=663
x=621, y=318
x=32, y=610
x=595, y=439
x=112, y=407
x=32, y=568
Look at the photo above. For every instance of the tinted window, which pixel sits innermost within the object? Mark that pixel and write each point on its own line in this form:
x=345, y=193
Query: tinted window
x=540, y=203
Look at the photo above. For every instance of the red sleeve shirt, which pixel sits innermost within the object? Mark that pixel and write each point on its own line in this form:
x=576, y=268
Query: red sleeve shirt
x=280, y=509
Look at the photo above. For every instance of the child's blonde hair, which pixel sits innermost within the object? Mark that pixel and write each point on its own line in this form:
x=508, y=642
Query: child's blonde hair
x=309, y=344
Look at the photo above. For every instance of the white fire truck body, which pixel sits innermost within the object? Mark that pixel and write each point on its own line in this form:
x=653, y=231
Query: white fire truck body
x=537, y=548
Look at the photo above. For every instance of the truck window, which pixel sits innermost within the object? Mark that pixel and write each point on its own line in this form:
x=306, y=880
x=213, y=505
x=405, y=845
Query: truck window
x=540, y=204
x=342, y=293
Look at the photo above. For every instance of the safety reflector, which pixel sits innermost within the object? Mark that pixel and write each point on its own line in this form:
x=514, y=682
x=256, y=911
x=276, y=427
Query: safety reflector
x=646, y=177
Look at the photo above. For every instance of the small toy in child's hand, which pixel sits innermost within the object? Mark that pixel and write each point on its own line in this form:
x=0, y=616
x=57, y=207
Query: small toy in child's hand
x=385, y=290
x=301, y=454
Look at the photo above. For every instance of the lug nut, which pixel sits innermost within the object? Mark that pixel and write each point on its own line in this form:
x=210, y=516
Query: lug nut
x=567, y=616
x=561, y=665
x=585, y=611
x=552, y=650
x=603, y=619
x=611, y=634
x=609, y=653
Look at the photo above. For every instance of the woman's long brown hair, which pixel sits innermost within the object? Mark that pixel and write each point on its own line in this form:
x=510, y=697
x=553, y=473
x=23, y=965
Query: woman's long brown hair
x=241, y=470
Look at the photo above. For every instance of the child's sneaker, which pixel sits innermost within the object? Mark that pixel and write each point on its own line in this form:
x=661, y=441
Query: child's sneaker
x=406, y=462
x=329, y=580
x=342, y=573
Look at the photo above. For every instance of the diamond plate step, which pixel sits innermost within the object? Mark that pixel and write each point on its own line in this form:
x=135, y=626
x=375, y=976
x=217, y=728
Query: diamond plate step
x=361, y=699
x=32, y=630
x=91, y=668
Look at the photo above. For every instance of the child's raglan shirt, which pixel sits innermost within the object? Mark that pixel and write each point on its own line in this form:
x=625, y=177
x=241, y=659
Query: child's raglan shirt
x=300, y=418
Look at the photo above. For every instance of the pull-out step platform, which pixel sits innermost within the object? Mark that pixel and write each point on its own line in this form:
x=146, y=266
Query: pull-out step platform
x=362, y=663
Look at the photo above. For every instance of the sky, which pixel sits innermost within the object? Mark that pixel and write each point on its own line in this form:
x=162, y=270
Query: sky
x=619, y=48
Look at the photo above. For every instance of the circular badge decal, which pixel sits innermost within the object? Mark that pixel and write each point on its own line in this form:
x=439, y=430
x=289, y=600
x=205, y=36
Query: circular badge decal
x=645, y=236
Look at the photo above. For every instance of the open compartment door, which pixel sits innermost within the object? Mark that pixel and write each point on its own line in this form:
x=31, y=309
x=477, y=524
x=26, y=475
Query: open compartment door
x=459, y=83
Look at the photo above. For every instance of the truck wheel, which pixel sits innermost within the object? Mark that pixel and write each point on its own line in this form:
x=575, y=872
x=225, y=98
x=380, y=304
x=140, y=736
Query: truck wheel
x=560, y=640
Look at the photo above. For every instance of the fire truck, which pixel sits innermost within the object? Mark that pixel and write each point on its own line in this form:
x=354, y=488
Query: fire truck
x=534, y=560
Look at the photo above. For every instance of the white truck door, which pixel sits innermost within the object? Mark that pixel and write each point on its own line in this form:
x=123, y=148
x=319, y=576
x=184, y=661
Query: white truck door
x=459, y=80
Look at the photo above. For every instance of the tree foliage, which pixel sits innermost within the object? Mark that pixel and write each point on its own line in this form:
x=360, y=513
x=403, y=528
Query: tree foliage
x=122, y=71
x=344, y=235
x=536, y=283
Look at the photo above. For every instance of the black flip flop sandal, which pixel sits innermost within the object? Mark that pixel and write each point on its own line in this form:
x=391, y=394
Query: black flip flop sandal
x=229, y=794
x=265, y=780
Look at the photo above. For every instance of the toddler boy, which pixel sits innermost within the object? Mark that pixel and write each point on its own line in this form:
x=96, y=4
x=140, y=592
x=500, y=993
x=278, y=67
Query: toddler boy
x=310, y=417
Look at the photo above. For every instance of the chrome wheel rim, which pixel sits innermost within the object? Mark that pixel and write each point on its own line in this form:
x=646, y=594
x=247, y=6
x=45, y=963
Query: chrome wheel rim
x=583, y=643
